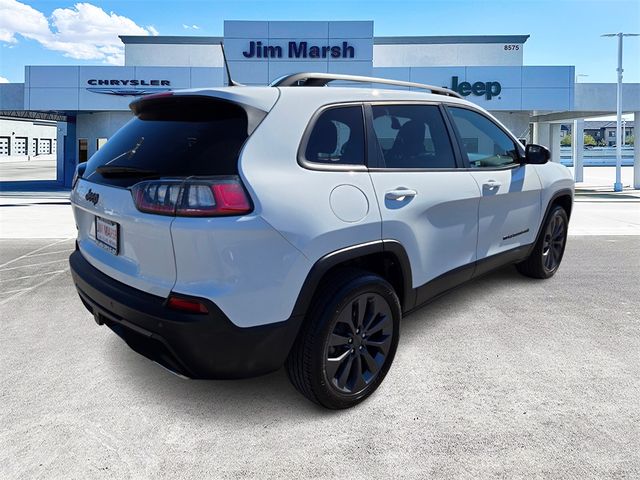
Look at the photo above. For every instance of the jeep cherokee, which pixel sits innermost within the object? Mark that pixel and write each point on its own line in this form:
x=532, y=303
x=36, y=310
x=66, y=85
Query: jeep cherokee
x=227, y=232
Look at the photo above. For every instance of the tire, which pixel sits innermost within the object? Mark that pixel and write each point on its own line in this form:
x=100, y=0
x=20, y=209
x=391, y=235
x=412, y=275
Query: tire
x=544, y=260
x=335, y=361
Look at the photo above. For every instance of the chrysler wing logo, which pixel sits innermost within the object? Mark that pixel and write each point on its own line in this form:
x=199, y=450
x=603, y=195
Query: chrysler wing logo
x=127, y=92
x=92, y=197
x=133, y=87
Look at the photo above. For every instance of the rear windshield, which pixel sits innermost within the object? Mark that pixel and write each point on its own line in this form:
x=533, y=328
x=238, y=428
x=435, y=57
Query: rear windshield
x=172, y=137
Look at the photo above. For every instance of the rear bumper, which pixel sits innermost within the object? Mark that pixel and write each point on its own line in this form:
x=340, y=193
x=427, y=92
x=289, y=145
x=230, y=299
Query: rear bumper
x=193, y=345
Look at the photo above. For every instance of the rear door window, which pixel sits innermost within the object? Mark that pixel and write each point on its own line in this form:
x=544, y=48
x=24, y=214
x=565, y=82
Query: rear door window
x=173, y=137
x=337, y=137
x=412, y=136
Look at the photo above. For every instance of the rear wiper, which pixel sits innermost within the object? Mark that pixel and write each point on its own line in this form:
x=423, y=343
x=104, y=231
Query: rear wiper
x=116, y=171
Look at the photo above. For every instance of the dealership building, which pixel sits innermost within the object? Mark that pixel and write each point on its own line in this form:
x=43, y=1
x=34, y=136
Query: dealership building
x=90, y=103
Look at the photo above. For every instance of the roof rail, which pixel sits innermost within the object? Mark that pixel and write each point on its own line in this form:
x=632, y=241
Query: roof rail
x=322, y=79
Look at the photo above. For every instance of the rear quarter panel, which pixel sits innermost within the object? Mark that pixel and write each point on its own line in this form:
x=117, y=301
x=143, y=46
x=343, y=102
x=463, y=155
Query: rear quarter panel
x=296, y=200
x=240, y=263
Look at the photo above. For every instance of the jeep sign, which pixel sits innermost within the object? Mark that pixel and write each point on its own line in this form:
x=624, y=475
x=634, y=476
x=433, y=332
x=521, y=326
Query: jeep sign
x=488, y=89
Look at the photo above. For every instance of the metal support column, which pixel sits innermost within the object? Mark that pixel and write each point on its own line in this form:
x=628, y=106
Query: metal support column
x=577, y=147
x=554, y=142
x=636, y=151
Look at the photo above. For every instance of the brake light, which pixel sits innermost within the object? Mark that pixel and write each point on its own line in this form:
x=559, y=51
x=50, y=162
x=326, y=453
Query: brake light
x=186, y=305
x=231, y=197
x=210, y=197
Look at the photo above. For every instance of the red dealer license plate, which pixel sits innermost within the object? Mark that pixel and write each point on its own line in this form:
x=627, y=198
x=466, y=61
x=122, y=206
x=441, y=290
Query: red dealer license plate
x=107, y=233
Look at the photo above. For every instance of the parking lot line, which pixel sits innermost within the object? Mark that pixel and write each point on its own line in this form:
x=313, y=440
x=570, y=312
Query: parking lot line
x=14, y=291
x=33, y=265
x=49, y=253
x=29, y=276
x=32, y=252
x=36, y=286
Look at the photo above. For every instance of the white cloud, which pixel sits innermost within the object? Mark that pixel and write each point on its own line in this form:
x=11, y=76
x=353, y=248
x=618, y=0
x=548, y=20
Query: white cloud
x=153, y=30
x=4, y=80
x=23, y=19
x=190, y=27
x=85, y=32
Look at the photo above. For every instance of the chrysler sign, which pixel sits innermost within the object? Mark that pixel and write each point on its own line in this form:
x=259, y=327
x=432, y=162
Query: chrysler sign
x=132, y=87
x=133, y=83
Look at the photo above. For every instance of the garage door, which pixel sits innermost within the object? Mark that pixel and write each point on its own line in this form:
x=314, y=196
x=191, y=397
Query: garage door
x=4, y=146
x=44, y=146
x=20, y=146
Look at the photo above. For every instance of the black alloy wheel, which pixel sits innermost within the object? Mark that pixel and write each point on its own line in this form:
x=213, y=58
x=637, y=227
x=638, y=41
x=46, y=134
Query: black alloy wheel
x=544, y=260
x=359, y=343
x=348, y=340
x=553, y=242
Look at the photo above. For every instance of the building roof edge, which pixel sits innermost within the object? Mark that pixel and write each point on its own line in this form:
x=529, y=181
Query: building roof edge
x=410, y=40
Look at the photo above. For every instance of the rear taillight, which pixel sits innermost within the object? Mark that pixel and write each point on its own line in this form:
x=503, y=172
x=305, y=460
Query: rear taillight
x=209, y=197
x=157, y=197
x=186, y=305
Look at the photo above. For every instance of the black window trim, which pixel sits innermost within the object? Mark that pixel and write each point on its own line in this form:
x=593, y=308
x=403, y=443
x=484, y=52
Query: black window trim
x=375, y=162
x=458, y=137
x=327, y=167
x=371, y=146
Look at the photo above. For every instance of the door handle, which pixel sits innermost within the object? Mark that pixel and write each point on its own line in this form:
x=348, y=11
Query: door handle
x=400, y=194
x=492, y=184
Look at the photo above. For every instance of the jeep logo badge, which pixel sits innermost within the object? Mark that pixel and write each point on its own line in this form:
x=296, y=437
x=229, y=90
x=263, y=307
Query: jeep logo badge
x=92, y=197
x=479, y=89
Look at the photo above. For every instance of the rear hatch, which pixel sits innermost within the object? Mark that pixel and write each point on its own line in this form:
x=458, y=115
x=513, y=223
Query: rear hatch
x=173, y=137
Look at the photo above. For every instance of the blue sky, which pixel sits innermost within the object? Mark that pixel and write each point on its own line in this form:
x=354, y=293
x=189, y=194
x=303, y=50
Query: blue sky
x=563, y=32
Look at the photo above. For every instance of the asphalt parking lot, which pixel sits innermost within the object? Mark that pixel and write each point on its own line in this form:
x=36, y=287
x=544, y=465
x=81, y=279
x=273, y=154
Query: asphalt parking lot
x=503, y=377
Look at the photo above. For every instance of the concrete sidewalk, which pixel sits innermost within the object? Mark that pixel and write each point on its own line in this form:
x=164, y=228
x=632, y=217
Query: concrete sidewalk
x=34, y=196
x=36, y=214
x=599, y=181
x=43, y=167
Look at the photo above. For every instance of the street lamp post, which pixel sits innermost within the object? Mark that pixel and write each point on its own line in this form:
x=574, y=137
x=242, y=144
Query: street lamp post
x=617, y=187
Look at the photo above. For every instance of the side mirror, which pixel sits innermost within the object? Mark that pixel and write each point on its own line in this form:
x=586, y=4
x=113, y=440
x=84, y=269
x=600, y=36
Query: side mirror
x=536, y=154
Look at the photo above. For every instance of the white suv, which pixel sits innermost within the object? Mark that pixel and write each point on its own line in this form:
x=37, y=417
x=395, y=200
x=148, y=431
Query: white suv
x=225, y=232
